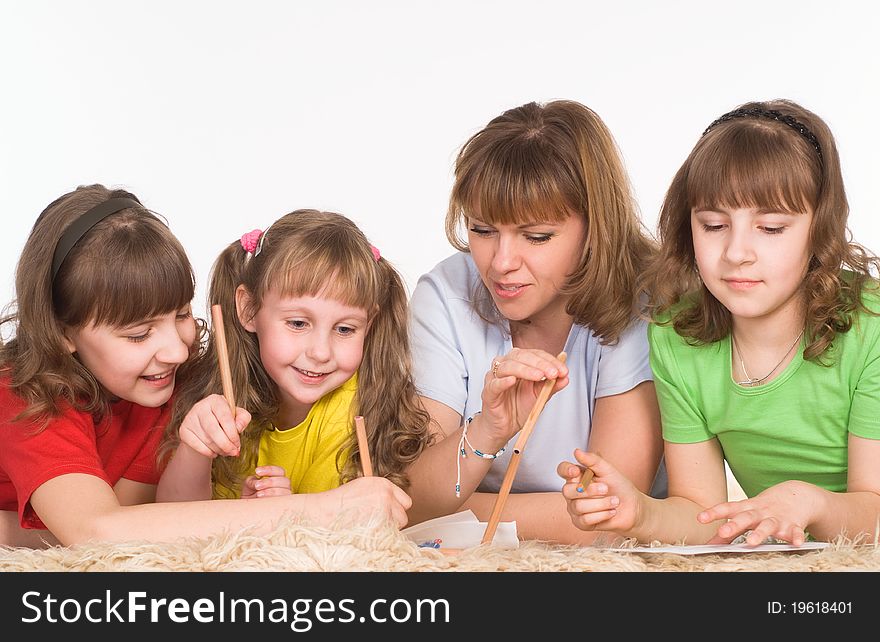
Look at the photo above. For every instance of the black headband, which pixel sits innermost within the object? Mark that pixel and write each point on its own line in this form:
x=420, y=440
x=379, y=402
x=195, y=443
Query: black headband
x=772, y=114
x=76, y=230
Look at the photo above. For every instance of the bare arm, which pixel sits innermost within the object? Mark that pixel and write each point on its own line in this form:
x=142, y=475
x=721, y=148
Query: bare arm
x=78, y=508
x=209, y=430
x=612, y=502
x=626, y=430
x=187, y=477
x=856, y=511
x=791, y=509
x=12, y=534
x=432, y=476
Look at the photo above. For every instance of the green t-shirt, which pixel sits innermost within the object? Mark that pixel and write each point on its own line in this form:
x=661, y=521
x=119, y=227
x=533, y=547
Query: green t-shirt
x=794, y=427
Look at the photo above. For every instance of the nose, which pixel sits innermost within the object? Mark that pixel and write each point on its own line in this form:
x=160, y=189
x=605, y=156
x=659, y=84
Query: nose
x=507, y=256
x=318, y=348
x=739, y=247
x=174, y=348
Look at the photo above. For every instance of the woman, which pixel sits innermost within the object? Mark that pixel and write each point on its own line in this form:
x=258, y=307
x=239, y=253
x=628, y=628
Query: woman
x=552, y=251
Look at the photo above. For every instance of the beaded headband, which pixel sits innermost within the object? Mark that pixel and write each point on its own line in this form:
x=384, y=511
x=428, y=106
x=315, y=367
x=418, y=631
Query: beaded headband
x=772, y=114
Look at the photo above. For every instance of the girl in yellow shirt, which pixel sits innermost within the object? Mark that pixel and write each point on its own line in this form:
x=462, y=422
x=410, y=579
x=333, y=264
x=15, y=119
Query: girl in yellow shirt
x=316, y=334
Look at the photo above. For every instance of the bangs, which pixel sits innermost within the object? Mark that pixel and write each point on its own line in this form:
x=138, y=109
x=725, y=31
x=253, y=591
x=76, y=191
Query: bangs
x=127, y=278
x=518, y=183
x=756, y=166
x=328, y=269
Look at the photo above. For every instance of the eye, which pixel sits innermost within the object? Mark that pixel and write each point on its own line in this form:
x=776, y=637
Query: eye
x=712, y=228
x=481, y=231
x=138, y=338
x=538, y=239
x=183, y=316
x=772, y=230
x=346, y=330
x=297, y=324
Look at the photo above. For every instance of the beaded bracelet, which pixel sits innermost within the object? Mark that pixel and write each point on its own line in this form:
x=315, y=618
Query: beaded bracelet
x=463, y=453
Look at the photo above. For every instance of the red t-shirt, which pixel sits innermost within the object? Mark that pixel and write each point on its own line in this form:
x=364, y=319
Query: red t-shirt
x=122, y=445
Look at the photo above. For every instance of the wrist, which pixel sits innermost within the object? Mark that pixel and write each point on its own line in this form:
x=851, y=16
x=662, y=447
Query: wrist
x=481, y=434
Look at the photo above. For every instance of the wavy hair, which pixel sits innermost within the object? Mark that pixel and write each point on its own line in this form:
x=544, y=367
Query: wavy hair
x=549, y=162
x=313, y=253
x=761, y=162
x=127, y=268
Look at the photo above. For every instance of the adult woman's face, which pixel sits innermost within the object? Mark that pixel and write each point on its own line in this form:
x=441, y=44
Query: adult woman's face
x=525, y=266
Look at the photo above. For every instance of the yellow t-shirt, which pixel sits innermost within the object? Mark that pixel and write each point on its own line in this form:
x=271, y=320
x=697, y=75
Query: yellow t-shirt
x=308, y=451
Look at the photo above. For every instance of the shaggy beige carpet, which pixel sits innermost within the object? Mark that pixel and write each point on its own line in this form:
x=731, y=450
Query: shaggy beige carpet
x=293, y=546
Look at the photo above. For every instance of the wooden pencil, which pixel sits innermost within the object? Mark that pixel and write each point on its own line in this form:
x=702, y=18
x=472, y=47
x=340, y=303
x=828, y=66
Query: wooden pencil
x=363, y=446
x=586, y=478
x=223, y=356
x=518, y=449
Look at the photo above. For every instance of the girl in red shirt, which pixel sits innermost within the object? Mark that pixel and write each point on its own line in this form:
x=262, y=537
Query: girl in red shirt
x=103, y=329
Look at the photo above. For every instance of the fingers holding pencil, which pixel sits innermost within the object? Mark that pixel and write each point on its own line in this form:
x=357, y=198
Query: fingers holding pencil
x=598, y=496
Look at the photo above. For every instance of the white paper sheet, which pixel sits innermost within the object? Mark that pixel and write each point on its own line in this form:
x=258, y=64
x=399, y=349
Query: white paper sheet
x=714, y=549
x=460, y=530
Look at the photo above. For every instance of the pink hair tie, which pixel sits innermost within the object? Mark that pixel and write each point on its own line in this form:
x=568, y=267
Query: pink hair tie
x=376, y=254
x=250, y=241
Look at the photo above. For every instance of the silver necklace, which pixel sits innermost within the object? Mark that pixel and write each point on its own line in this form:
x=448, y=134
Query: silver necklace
x=751, y=381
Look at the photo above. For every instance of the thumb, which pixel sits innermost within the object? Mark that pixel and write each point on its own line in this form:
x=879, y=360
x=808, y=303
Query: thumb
x=594, y=461
x=242, y=419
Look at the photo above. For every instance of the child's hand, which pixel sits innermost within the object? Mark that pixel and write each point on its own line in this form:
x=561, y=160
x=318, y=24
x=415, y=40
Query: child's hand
x=210, y=430
x=368, y=497
x=783, y=511
x=512, y=385
x=269, y=481
x=610, y=502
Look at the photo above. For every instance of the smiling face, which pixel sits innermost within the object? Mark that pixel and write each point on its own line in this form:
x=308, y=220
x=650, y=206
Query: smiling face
x=136, y=362
x=753, y=260
x=524, y=266
x=309, y=346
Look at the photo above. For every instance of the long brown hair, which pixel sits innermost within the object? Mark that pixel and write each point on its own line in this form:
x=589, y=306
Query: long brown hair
x=310, y=253
x=761, y=162
x=548, y=162
x=127, y=268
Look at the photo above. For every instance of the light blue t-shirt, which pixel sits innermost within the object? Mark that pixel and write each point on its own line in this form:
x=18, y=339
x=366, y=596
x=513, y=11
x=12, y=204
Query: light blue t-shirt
x=453, y=349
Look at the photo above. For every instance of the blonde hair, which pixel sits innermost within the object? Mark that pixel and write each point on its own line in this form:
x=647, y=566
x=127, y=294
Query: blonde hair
x=310, y=253
x=761, y=162
x=127, y=268
x=545, y=163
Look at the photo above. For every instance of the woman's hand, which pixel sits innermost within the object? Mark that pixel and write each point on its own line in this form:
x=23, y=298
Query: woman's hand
x=269, y=481
x=210, y=429
x=610, y=502
x=783, y=511
x=511, y=388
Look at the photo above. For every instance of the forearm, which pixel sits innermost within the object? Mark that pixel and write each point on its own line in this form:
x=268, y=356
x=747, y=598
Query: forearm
x=186, y=478
x=175, y=520
x=539, y=516
x=672, y=520
x=852, y=514
x=433, y=475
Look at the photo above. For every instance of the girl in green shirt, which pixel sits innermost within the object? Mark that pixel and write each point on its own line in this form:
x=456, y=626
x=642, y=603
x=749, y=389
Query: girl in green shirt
x=765, y=347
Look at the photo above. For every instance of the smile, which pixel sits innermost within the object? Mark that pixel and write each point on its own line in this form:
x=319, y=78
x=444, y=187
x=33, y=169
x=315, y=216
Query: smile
x=509, y=291
x=159, y=380
x=308, y=376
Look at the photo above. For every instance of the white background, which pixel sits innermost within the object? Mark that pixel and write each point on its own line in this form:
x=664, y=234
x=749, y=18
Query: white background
x=223, y=116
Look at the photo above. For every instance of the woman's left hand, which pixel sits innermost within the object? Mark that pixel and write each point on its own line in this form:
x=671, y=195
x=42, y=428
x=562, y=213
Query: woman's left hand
x=269, y=481
x=783, y=511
